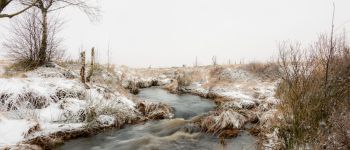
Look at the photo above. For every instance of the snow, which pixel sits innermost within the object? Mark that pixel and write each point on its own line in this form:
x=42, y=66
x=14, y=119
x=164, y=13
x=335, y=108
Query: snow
x=127, y=102
x=56, y=72
x=41, y=86
x=13, y=131
x=164, y=81
x=235, y=95
x=73, y=105
x=234, y=74
x=65, y=100
x=18, y=90
x=51, y=113
x=50, y=128
x=105, y=120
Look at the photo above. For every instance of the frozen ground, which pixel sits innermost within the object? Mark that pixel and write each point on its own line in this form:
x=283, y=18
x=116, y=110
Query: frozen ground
x=48, y=100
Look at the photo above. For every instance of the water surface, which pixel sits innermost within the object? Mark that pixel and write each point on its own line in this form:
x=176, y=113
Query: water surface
x=168, y=134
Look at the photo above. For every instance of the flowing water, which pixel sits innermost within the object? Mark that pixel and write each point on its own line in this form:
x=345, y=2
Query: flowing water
x=168, y=134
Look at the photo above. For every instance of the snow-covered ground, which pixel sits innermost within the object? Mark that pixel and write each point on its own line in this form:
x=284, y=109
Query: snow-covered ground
x=48, y=100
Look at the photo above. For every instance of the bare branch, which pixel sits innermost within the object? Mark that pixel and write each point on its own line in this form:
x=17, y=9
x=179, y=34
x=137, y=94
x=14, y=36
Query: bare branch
x=19, y=12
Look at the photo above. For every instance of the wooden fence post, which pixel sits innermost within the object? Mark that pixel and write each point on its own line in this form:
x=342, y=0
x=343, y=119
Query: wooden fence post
x=82, y=70
x=92, y=63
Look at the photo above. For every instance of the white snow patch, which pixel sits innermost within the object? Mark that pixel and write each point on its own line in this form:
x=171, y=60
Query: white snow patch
x=105, y=120
x=45, y=89
x=49, y=128
x=13, y=131
x=164, y=81
x=51, y=113
x=235, y=94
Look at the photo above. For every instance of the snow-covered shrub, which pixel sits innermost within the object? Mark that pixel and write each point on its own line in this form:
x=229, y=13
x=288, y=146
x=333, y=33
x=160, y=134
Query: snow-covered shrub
x=155, y=110
x=183, y=79
x=105, y=120
x=219, y=121
x=36, y=93
x=72, y=109
x=118, y=106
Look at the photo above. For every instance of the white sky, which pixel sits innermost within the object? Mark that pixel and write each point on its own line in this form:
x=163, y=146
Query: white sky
x=174, y=32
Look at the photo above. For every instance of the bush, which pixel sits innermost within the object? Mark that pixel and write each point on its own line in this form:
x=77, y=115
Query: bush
x=183, y=79
x=24, y=44
x=315, y=85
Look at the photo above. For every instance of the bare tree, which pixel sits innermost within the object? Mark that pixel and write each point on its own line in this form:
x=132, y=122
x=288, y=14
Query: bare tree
x=5, y=3
x=48, y=6
x=24, y=42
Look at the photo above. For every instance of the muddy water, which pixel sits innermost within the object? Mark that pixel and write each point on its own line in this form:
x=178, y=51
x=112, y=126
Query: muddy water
x=166, y=134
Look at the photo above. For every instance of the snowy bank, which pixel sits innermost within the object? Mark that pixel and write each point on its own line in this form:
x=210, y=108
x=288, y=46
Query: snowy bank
x=52, y=100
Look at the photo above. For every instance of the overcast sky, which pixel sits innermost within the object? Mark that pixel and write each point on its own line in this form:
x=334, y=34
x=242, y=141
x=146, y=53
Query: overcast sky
x=173, y=32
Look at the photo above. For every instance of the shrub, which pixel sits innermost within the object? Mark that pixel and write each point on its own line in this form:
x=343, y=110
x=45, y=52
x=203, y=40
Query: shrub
x=155, y=110
x=25, y=43
x=221, y=122
x=315, y=85
x=183, y=79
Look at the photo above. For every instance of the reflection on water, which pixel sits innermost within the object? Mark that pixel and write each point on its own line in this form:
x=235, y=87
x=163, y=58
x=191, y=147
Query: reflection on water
x=174, y=134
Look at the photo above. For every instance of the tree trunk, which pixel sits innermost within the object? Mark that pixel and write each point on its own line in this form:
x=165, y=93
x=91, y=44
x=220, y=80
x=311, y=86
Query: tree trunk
x=43, y=46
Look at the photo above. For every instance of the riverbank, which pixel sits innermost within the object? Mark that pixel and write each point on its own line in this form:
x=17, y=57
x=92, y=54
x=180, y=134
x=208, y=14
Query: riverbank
x=244, y=94
x=49, y=105
x=53, y=106
x=175, y=133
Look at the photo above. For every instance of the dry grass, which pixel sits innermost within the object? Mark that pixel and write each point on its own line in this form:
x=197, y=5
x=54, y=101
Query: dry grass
x=172, y=87
x=265, y=70
x=314, y=87
x=155, y=110
x=339, y=131
x=223, y=122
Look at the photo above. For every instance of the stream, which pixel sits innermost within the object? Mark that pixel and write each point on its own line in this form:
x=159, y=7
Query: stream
x=167, y=134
